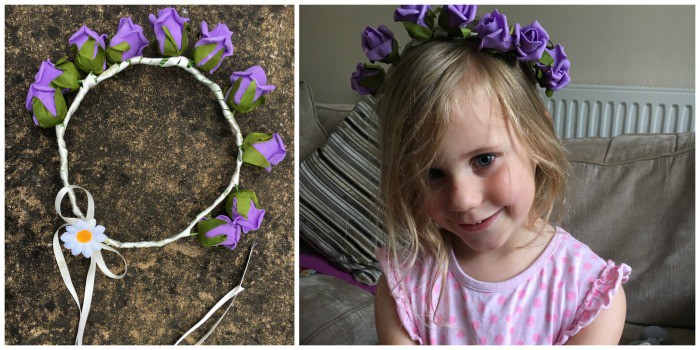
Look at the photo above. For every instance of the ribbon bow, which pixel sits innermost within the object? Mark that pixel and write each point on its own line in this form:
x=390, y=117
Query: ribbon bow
x=95, y=260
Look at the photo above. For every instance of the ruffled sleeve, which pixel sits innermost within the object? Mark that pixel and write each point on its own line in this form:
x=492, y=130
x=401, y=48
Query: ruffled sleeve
x=599, y=297
x=398, y=291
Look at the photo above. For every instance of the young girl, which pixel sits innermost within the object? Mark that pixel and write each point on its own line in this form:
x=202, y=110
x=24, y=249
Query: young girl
x=471, y=169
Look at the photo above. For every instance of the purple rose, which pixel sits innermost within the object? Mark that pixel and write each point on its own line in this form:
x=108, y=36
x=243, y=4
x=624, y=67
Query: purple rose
x=171, y=31
x=530, y=41
x=379, y=44
x=263, y=150
x=230, y=228
x=272, y=149
x=494, y=33
x=412, y=13
x=555, y=76
x=460, y=15
x=250, y=89
x=255, y=216
x=366, y=80
x=44, y=92
x=127, y=43
x=89, y=50
x=212, y=47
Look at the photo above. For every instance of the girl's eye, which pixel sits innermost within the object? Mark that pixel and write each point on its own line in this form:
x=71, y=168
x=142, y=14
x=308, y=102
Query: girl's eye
x=483, y=160
x=434, y=174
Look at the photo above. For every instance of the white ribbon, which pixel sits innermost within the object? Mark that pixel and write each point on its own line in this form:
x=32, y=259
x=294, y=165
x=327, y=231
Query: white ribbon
x=229, y=296
x=95, y=260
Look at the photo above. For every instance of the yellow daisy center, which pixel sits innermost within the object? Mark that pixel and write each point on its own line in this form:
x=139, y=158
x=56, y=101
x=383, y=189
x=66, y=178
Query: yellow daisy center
x=84, y=236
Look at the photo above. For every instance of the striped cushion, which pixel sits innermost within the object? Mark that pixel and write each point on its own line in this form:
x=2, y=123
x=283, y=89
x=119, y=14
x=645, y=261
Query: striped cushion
x=338, y=196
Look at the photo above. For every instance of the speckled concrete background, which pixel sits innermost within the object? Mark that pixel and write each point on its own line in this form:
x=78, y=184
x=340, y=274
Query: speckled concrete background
x=153, y=148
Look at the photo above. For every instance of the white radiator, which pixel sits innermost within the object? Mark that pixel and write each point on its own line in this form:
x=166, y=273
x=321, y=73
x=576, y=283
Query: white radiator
x=606, y=111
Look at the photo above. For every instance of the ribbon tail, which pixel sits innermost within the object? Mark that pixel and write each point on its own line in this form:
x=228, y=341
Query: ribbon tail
x=221, y=302
x=87, y=301
x=97, y=255
x=63, y=267
x=211, y=330
x=229, y=296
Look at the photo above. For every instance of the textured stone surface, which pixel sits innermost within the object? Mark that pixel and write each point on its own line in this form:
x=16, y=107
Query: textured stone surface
x=153, y=148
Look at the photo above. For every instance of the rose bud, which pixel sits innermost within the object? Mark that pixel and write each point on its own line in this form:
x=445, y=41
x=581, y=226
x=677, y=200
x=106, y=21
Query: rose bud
x=219, y=231
x=263, y=150
x=379, y=44
x=494, y=32
x=88, y=48
x=212, y=47
x=367, y=78
x=554, y=70
x=127, y=43
x=68, y=80
x=243, y=204
x=44, y=100
x=454, y=18
x=418, y=20
x=171, y=32
x=530, y=41
x=248, y=89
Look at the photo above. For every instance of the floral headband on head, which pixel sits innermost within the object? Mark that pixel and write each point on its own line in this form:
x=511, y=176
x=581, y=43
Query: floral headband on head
x=91, y=54
x=528, y=44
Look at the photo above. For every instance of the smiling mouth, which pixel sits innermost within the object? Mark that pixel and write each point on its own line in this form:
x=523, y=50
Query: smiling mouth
x=480, y=225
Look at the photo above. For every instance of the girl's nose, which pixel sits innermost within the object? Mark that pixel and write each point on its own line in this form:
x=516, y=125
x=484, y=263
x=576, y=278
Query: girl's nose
x=465, y=195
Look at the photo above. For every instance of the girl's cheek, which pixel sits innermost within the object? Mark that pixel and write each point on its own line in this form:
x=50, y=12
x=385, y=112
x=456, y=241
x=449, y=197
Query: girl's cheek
x=503, y=185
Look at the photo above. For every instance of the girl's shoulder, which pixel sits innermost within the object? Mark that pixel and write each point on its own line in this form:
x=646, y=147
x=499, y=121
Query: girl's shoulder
x=585, y=282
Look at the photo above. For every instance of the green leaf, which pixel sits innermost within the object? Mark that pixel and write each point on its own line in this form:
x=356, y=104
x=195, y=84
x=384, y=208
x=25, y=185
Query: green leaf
x=115, y=53
x=85, y=61
x=416, y=31
x=170, y=47
x=205, y=226
x=547, y=59
x=443, y=18
x=69, y=78
x=44, y=116
x=256, y=137
x=201, y=52
x=243, y=202
x=430, y=18
x=549, y=92
x=248, y=95
x=210, y=242
x=253, y=157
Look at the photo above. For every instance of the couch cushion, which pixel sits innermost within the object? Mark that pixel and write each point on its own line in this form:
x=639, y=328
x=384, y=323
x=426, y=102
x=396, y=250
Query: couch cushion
x=310, y=128
x=333, y=312
x=680, y=336
x=632, y=200
x=338, y=187
x=316, y=120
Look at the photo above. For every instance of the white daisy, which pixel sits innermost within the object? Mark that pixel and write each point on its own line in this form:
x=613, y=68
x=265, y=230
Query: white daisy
x=84, y=237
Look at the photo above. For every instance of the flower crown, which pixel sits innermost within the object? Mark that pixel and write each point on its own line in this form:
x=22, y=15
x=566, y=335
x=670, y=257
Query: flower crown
x=91, y=54
x=528, y=44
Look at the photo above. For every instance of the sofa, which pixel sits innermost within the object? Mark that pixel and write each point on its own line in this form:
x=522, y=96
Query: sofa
x=630, y=198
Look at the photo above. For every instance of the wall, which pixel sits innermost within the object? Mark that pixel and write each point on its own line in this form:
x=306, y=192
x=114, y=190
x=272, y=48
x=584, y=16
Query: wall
x=607, y=45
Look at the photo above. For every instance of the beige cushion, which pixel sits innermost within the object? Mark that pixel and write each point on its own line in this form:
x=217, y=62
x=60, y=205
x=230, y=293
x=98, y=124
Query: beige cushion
x=334, y=312
x=632, y=201
x=317, y=121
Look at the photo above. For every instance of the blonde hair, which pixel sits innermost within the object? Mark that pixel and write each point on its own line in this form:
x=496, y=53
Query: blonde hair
x=414, y=108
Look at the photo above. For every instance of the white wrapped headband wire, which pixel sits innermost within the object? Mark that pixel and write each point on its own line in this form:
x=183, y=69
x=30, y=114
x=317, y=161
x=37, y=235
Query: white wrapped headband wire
x=92, y=80
x=96, y=259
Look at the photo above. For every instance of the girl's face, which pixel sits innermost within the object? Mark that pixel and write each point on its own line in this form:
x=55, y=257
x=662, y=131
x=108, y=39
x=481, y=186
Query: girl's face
x=483, y=183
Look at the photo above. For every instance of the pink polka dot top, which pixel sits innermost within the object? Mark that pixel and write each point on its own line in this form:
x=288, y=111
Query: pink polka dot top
x=553, y=299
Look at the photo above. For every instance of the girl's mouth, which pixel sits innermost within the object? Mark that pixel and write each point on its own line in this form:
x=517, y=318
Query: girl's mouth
x=481, y=225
